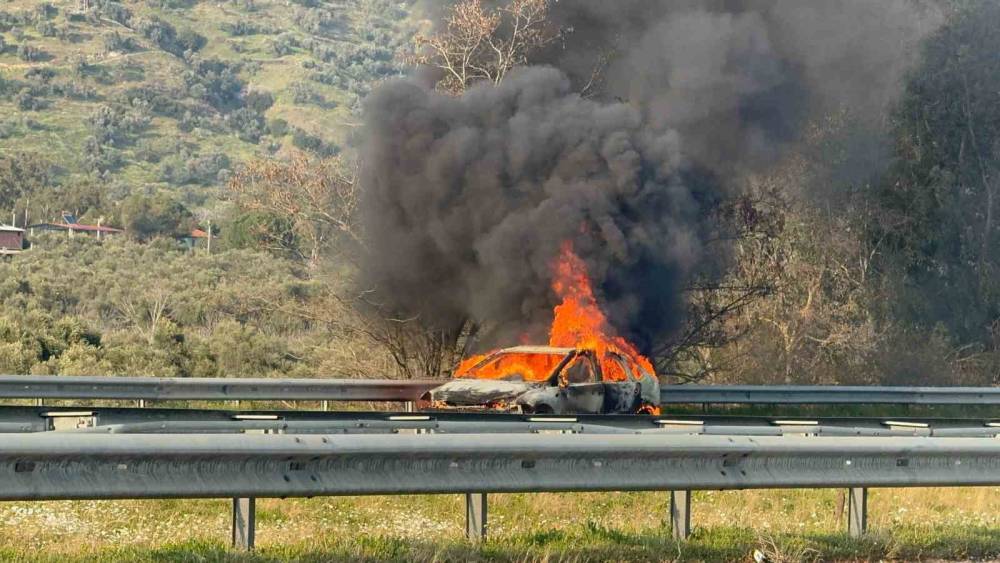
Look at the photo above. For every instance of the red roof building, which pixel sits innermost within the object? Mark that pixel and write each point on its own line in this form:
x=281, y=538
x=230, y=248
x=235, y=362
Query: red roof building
x=11, y=240
x=71, y=226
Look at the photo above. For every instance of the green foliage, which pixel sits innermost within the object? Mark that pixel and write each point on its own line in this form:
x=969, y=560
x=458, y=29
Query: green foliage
x=21, y=174
x=76, y=306
x=313, y=144
x=26, y=100
x=30, y=53
x=942, y=198
x=256, y=230
x=200, y=83
x=117, y=42
x=148, y=217
x=185, y=168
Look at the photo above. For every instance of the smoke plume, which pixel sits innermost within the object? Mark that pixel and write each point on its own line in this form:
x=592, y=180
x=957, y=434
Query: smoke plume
x=466, y=199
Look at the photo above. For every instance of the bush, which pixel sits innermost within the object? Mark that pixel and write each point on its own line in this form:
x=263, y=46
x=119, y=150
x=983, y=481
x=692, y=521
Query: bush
x=45, y=11
x=169, y=39
x=25, y=100
x=216, y=82
x=202, y=169
x=148, y=217
x=241, y=28
x=258, y=101
x=115, y=42
x=313, y=144
x=47, y=29
x=30, y=53
x=284, y=44
x=248, y=125
x=302, y=93
x=277, y=127
x=113, y=11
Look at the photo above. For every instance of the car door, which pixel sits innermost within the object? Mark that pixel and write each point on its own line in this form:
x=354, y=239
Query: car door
x=623, y=396
x=579, y=386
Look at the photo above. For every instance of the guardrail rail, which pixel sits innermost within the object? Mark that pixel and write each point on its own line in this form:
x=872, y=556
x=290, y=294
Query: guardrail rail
x=60, y=465
x=394, y=390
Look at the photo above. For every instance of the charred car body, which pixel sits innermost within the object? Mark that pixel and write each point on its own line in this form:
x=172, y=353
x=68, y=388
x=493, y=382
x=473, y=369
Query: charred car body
x=550, y=380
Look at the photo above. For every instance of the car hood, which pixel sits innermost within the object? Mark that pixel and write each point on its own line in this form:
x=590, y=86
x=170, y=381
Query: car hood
x=480, y=391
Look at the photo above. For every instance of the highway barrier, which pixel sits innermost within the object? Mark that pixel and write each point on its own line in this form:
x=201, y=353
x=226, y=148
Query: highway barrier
x=393, y=390
x=61, y=465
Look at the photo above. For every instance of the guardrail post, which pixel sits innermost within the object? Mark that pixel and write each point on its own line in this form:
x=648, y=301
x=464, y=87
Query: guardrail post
x=244, y=521
x=680, y=514
x=475, y=516
x=857, y=511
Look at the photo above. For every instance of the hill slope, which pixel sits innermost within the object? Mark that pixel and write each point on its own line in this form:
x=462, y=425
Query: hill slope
x=155, y=94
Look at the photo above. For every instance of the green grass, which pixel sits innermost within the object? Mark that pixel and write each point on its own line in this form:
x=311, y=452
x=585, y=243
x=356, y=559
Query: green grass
x=586, y=543
x=794, y=525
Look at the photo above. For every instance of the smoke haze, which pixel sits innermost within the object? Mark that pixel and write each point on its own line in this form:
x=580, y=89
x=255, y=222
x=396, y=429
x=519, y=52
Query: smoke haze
x=466, y=199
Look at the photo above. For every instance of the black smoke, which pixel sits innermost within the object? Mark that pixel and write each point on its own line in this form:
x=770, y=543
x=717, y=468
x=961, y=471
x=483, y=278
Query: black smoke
x=467, y=199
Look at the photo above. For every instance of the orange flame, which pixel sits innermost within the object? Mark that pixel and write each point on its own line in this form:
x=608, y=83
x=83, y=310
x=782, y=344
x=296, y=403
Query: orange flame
x=578, y=323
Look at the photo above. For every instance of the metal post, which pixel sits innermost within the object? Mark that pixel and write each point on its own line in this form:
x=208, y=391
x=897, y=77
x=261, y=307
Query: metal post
x=475, y=516
x=857, y=511
x=326, y=405
x=244, y=521
x=680, y=514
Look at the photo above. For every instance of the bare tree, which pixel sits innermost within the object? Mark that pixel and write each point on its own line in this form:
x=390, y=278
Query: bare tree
x=478, y=43
x=315, y=200
x=145, y=308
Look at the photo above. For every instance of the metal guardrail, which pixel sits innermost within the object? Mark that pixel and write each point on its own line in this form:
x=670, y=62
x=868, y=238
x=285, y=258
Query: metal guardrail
x=261, y=389
x=89, y=466
x=828, y=394
x=120, y=420
x=56, y=465
x=210, y=388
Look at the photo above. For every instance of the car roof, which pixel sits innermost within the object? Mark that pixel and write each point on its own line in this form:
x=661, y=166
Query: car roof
x=536, y=350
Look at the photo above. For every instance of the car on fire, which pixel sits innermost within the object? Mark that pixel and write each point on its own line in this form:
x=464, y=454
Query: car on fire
x=551, y=380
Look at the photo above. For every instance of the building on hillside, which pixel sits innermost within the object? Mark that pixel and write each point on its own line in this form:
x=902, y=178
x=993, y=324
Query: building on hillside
x=72, y=227
x=196, y=239
x=11, y=240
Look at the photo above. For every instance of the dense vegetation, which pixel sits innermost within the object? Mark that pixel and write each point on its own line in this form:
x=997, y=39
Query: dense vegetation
x=142, y=97
x=75, y=306
x=136, y=114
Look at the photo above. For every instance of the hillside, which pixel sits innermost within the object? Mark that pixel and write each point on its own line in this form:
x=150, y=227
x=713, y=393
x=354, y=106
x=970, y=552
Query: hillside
x=154, y=95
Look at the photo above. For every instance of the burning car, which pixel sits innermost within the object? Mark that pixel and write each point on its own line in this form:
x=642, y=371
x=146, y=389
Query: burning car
x=586, y=368
x=553, y=380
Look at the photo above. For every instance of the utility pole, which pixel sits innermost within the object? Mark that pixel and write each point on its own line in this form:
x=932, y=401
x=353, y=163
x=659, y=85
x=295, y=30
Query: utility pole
x=209, y=236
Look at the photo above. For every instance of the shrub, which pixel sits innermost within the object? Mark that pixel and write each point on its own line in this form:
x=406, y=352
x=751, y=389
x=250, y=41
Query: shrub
x=25, y=100
x=313, y=144
x=116, y=42
x=29, y=53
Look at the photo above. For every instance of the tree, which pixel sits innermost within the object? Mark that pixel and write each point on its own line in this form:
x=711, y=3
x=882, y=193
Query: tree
x=311, y=202
x=161, y=215
x=940, y=200
x=480, y=43
x=20, y=176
